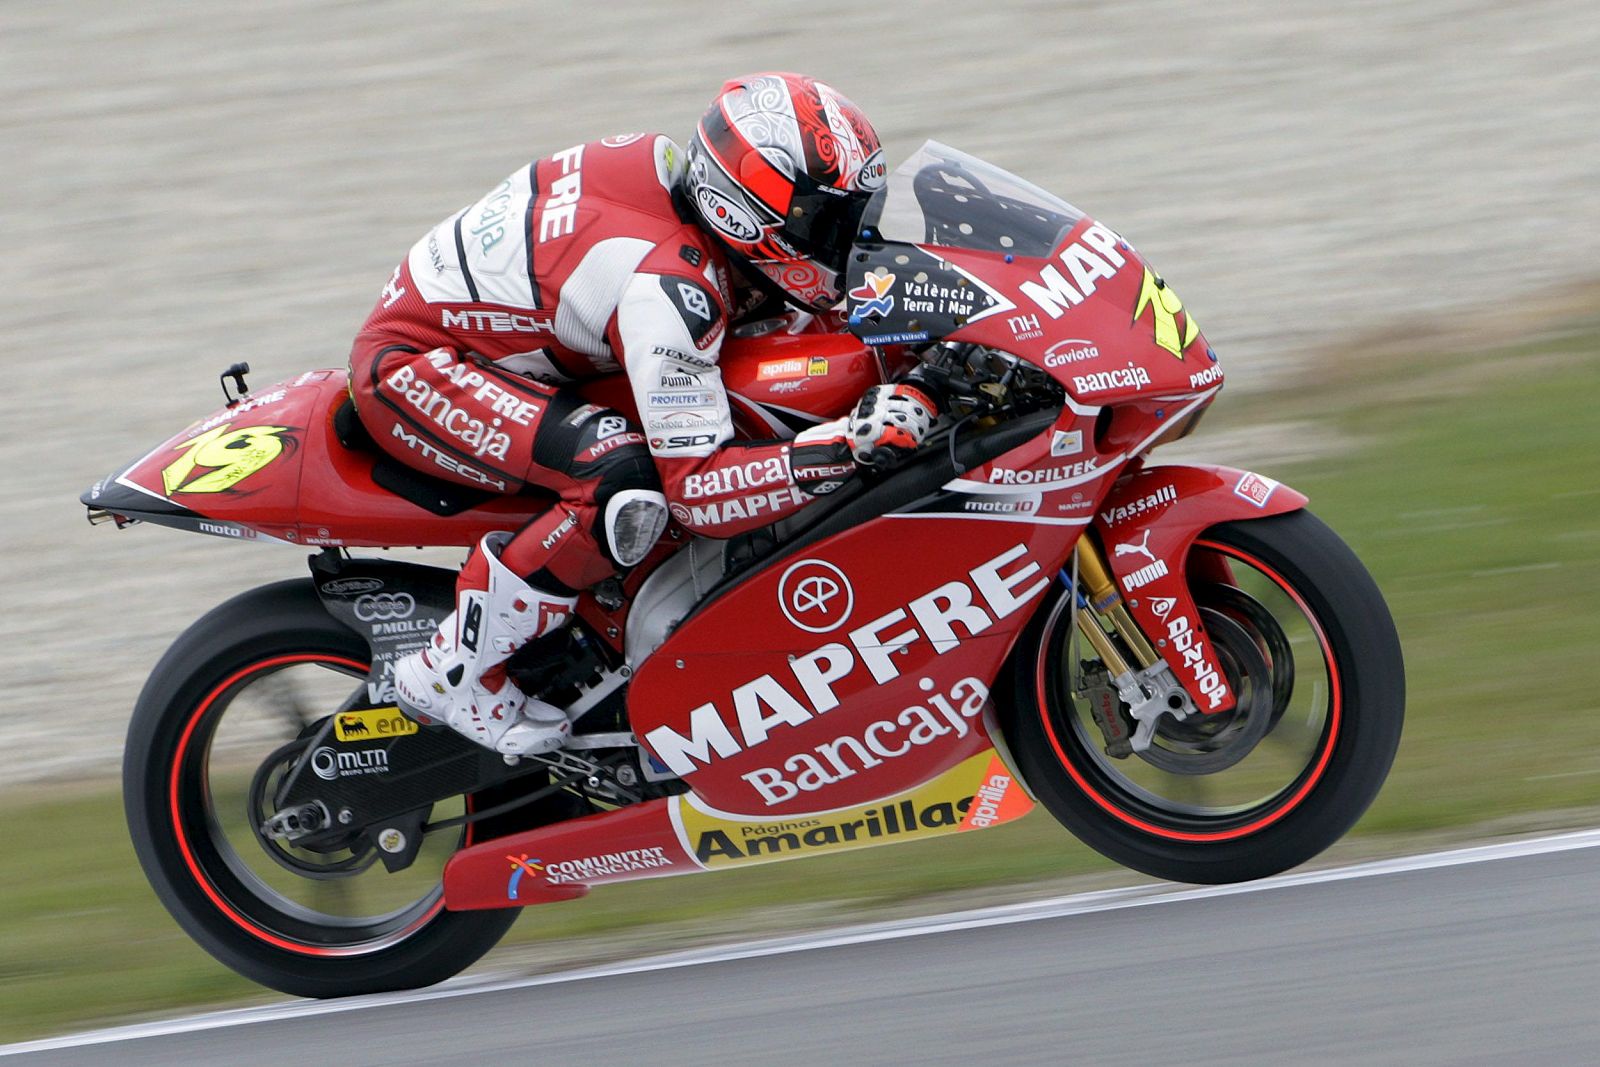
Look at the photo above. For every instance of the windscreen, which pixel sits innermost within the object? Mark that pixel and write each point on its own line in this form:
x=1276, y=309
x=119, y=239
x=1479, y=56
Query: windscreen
x=943, y=196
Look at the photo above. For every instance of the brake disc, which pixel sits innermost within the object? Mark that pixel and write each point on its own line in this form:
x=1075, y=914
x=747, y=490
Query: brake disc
x=1206, y=744
x=1264, y=627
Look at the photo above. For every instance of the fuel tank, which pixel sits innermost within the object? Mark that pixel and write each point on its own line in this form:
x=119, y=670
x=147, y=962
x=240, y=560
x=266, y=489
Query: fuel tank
x=778, y=382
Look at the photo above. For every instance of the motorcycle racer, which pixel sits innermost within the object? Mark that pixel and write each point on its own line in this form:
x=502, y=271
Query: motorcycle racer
x=613, y=257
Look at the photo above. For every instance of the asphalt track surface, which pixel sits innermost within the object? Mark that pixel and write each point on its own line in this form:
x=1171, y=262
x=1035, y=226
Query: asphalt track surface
x=1483, y=955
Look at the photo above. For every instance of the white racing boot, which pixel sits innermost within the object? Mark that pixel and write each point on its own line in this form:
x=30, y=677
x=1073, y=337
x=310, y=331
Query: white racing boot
x=459, y=677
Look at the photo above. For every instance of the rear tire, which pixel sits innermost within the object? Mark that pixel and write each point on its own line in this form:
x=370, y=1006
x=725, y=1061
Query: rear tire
x=202, y=880
x=1128, y=813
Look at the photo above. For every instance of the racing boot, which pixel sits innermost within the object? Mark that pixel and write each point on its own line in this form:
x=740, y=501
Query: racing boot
x=459, y=677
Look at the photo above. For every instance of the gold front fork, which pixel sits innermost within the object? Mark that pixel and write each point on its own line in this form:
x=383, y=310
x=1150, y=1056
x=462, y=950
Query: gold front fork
x=1106, y=608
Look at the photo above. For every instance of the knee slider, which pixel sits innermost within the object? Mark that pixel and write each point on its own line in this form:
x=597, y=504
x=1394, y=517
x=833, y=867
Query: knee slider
x=633, y=520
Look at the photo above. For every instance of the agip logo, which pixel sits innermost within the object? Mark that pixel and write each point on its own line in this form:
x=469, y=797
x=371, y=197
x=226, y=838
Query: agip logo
x=372, y=724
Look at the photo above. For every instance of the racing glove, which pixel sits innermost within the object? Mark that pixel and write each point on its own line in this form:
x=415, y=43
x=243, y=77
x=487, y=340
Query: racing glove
x=890, y=423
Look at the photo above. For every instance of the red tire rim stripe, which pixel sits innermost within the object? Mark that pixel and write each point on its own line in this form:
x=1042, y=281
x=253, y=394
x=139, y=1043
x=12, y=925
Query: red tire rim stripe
x=195, y=870
x=1334, y=715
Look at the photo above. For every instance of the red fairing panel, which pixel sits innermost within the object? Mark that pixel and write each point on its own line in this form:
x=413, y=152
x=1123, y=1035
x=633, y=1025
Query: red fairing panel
x=682, y=835
x=1147, y=524
x=565, y=859
x=1094, y=315
x=846, y=672
x=270, y=468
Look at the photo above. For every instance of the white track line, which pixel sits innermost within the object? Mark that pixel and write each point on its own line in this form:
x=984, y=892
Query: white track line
x=1002, y=915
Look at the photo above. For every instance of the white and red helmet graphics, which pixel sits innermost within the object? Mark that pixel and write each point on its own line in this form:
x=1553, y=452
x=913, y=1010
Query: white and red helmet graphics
x=780, y=168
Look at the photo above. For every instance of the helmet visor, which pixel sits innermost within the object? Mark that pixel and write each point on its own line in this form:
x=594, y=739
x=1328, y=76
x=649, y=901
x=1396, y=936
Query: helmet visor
x=822, y=221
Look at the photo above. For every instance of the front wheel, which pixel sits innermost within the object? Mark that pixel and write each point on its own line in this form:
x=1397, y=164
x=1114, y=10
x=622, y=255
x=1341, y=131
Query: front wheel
x=1310, y=651
x=234, y=692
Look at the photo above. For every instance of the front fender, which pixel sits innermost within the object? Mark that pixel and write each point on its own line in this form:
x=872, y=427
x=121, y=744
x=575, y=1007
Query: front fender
x=1147, y=525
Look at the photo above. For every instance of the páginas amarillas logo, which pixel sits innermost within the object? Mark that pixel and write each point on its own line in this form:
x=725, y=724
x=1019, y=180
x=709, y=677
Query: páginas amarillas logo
x=984, y=597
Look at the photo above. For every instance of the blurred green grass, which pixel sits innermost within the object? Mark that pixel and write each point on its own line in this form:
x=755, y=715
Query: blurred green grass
x=1473, y=495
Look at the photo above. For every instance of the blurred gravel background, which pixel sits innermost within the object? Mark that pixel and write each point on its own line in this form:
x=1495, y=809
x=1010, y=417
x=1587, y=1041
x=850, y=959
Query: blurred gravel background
x=189, y=184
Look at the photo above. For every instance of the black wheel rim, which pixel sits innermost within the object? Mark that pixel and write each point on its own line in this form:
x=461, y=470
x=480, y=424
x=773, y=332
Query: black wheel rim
x=1241, y=799
x=207, y=799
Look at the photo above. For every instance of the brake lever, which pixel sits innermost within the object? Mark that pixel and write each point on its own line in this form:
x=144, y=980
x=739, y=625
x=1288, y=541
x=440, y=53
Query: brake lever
x=881, y=460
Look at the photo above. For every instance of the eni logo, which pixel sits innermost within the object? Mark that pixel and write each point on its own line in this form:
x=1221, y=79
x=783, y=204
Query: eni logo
x=231, y=455
x=371, y=724
x=521, y=865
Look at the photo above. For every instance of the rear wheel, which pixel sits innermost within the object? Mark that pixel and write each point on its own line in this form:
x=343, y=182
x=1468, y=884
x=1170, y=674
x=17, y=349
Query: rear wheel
x=223, y=714
x=1310, y=652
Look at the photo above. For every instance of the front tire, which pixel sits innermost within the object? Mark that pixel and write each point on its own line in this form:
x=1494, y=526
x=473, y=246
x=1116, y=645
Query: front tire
x=260, y=654
x=1335, y=712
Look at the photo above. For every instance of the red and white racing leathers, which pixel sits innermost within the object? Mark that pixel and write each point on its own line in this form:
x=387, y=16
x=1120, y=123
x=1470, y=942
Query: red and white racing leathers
x=576, y=266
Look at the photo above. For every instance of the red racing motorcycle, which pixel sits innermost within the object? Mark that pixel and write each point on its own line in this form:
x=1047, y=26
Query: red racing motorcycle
x=1181, y=663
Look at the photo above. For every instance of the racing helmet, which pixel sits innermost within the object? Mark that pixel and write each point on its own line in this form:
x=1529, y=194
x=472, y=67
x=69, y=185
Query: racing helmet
x=780, y=169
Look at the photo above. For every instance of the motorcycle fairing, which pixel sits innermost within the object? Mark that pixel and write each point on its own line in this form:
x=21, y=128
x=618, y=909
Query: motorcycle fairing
x=954, y=248
x=301, y=485
x=293, y=481
x=685, y=835
x=396, y=607
x=765, y=702
x=806, y=686
x=235, y=473
x=1147, y=524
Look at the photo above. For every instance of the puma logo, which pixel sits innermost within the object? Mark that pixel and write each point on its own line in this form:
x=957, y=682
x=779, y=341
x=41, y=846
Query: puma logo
x=1140, y=549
